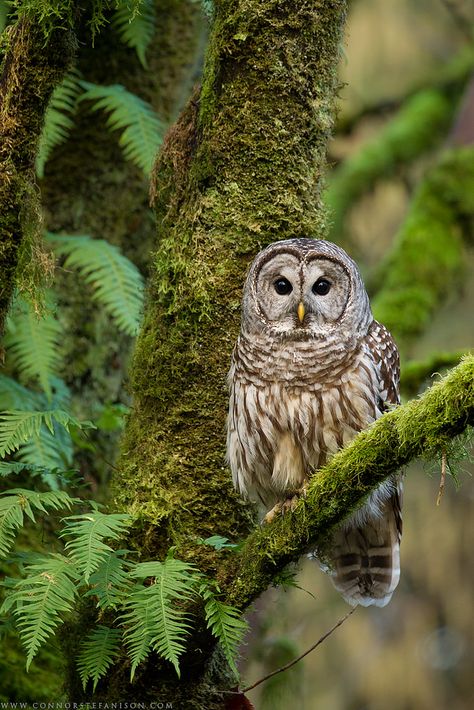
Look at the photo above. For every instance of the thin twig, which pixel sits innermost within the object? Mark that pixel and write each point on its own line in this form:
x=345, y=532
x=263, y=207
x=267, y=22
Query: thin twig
x=296, y=660
x=442, y=481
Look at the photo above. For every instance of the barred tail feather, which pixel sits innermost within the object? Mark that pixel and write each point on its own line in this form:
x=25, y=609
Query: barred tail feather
x=365, y=557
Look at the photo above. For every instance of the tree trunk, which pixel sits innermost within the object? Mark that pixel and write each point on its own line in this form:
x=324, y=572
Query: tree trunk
x=242, y=167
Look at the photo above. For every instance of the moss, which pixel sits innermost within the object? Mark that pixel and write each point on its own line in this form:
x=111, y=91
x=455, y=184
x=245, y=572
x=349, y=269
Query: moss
x=426, y=261
x=419, y=126
x=422, y=427
x=416, y=372
x=30, y=71
x=227, y=185
x=242, y=167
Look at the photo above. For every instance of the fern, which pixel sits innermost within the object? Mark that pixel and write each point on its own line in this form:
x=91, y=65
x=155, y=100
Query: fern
x=17, y=502
x=14, y=396
x=87, y=547
x=39, y=600
x=4, y=11
x=225, y=623
x=57, y=120
x=97, y=654
x=33, y=344
x=117, y=283
x=46, y=453
x=136, y=29
x=9, y=468
x=142, y=130
x=110, y=581
x=17, y=427
x=153, y=620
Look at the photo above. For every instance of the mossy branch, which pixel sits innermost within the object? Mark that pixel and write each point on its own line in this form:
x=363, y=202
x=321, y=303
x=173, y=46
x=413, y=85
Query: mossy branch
x=426, y=260
x=418, y=127
x=31, y=68
x=422, y=427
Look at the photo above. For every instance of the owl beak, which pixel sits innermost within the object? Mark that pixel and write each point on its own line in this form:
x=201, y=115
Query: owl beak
x=301, y=311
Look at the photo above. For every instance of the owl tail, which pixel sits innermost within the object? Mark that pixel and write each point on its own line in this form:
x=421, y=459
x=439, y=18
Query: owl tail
x=365, y=555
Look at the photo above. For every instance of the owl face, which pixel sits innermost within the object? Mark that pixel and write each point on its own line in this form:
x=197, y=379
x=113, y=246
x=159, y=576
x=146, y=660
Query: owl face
x=301, y=288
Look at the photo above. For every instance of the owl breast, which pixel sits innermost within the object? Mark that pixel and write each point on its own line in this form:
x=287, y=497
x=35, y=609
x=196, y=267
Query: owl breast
x=291, y=406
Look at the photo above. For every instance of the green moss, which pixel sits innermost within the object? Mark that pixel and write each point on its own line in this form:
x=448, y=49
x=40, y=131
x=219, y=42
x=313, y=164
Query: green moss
x=242, y=167
x=30, y=71
x=426, y=261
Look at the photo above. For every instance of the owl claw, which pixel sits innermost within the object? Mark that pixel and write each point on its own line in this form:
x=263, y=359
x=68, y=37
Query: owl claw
x=286, y=505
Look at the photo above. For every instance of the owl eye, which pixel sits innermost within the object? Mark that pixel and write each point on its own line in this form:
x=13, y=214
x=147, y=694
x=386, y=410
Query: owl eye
x=283, y=287
x=321, y=287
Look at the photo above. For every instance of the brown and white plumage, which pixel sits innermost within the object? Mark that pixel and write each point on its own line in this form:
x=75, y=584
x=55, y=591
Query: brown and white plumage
x=309, y=370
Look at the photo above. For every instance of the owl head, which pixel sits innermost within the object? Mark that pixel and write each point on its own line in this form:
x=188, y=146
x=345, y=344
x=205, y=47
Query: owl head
x=305, y=288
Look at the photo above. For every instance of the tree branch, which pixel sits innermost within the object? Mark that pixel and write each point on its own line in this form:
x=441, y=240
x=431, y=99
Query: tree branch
x=423, y=427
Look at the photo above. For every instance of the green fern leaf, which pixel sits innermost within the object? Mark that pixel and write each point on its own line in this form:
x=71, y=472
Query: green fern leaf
x=14, y=396
x=18, y=427
x=97, y=654
x=142, y=130
x=110, y=581
x=11, y=468
x=136, y=29
x=153, y=620
x=226, y=624
x=4, y=12
x=38, y=601
x=33, y=344
x=117, y=283
x=87, y=532
x=57, y=121
x=15, y=503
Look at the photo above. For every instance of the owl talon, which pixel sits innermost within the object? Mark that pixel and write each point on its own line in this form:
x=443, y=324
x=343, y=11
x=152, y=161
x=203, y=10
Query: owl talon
x=286, y=505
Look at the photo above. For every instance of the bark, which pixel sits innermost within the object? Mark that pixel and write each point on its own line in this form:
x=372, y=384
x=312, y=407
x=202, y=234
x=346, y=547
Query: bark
x=31, y=68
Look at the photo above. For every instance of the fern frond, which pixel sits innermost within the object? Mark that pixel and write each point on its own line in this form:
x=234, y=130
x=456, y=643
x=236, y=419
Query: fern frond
x=33, y=344
x=38, y=601
x=117, y=283
x=110, y=581
x=4, y=11
x=87, y=532
x=57, y=121
x=226, y=624
x=14, y=396
x=153, y=620
x=142, y=130
x=136, y=29
x=97, y=654
x=11, y=468
x=17, y=502
x=18, y=427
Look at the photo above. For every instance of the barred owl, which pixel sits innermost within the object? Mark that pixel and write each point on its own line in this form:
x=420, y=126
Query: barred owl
x=310, y=369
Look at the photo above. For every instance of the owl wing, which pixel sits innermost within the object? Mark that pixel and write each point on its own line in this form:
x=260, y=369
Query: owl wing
x=384, y=351
x=366, y=549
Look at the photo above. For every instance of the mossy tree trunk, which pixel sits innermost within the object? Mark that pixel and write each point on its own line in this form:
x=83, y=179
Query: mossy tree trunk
x=242, y=167
x=31, y=68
